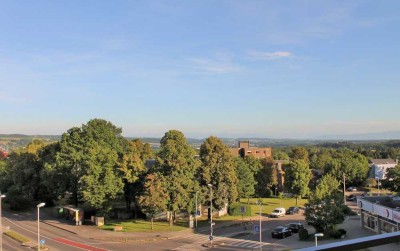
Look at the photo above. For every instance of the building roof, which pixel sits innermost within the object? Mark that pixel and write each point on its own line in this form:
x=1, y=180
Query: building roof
x=382, y=161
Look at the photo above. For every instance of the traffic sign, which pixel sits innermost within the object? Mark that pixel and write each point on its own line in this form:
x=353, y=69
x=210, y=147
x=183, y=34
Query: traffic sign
x=256, y=228
x=242, y=209
x=198, y=212
x=42, y=241
x=211, y=237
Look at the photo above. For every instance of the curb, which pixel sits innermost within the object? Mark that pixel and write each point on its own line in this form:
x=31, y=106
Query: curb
x=53, y=225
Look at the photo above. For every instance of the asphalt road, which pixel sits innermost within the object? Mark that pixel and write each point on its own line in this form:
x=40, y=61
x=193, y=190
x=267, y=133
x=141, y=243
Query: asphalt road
x=231, y=237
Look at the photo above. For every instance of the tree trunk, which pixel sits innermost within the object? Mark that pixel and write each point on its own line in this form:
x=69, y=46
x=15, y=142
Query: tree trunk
x=171, y=223
x=151, y=222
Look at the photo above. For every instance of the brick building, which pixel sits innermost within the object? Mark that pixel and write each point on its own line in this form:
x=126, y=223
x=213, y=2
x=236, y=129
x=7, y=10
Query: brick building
x=244, y=150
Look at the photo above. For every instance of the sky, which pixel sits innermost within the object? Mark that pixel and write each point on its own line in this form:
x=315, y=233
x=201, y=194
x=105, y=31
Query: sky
x=273, y=69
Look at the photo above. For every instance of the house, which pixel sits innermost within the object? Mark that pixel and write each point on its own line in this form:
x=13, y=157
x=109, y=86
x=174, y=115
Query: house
x=379, y=167
x=244, y=150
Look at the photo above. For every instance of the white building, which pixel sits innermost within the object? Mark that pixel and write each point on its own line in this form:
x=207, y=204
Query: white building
x=379, y=167
x=380, y=214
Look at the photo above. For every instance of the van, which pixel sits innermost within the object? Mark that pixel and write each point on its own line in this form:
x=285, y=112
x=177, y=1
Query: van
x=278, y=212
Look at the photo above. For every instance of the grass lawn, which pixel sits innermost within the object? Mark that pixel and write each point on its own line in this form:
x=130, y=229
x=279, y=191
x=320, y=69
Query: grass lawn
x=269, y=204
x=144, y=226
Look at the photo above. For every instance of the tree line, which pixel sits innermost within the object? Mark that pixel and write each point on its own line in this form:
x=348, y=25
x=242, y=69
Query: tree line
x=94, y=164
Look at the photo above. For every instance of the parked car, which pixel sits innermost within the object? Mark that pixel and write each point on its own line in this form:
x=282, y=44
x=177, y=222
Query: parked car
x=295, y=227
x=278, y=212
x=281, y=232
x=351, y=189
x=292, y=210
x=351, y=197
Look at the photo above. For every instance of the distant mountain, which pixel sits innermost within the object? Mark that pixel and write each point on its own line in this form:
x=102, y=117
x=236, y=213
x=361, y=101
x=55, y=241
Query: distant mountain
x=389, y=135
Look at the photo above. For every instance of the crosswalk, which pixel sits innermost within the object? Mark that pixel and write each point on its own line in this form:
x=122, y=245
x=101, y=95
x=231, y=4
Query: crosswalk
x=197, y=241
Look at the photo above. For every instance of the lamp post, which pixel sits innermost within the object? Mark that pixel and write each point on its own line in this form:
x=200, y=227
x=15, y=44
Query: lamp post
x=260, y=204
x=316, y=237
x=195, y=213
x=1, y=223
x=211, y=216
x=38, y=228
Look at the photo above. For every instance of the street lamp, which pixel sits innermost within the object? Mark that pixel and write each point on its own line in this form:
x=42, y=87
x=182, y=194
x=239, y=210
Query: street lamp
x=38, y=229
x=1, y=223
x=260, y=204
x=211, y=221
x=316, y=237
x=195, y=213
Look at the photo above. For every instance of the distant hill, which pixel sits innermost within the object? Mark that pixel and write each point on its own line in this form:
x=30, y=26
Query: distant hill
x=11, y=141
x=389, y=135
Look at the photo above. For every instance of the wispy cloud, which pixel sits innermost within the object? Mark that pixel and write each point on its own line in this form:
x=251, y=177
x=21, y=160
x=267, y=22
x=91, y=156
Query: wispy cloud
x=221, y=65
x=259, y=55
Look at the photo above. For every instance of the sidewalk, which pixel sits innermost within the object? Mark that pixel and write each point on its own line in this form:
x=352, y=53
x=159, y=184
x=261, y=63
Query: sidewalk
x=93, y=232
x=351, y=225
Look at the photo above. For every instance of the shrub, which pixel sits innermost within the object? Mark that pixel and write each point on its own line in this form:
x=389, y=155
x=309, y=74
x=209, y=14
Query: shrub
x=342, y=231
x=303, y=234
x=235, y=209
x=347, y=210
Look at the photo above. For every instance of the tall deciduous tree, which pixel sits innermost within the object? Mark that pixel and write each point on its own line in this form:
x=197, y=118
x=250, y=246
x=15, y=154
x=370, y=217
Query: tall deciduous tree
x=218, y=169
x=266, y=177
x=154, y=198
x=353, y=165
x=393, y=175
x=177, y=162
x=246, y=182
x=89, y=157
x=324, y=208
x=132, y=167
x=299, y=153
x=297, y=178
x=327, y=186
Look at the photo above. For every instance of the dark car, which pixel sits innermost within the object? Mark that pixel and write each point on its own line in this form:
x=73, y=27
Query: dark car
x=281, y=232
x=295, y=227
x=292, y=210
x=351, y=197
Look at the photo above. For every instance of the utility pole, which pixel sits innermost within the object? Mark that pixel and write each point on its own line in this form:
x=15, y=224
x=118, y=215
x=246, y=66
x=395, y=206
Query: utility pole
x=344, y=188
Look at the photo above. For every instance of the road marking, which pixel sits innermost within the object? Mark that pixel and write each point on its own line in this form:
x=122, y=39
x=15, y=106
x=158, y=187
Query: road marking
x=78, y=245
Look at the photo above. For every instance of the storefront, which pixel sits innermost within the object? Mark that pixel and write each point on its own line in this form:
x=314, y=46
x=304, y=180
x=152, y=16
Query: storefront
x=378, y=215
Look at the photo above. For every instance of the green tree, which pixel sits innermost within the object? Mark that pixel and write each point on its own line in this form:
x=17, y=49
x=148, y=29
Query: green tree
x=299, y=153
x=353, y=165
x=393, y=175
x=22, y=178
x=327, y=185
x=279, y=154
x=218, y=169
x=246, y=180
x=177, y=162
x=154, y=198
x=266, y=177
x=297, y=178
x=89, y=158
x=132, y=167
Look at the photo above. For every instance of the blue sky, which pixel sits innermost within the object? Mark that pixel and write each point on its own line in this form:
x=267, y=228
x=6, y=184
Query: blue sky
x=280, y=69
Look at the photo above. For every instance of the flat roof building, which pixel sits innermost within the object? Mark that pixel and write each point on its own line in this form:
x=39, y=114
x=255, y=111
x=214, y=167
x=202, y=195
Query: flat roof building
x=244, y=150
x=380, y=214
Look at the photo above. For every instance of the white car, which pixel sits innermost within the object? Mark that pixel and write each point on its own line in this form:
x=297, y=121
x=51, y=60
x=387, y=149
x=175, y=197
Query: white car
x=278, y=212
x=351, y=189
